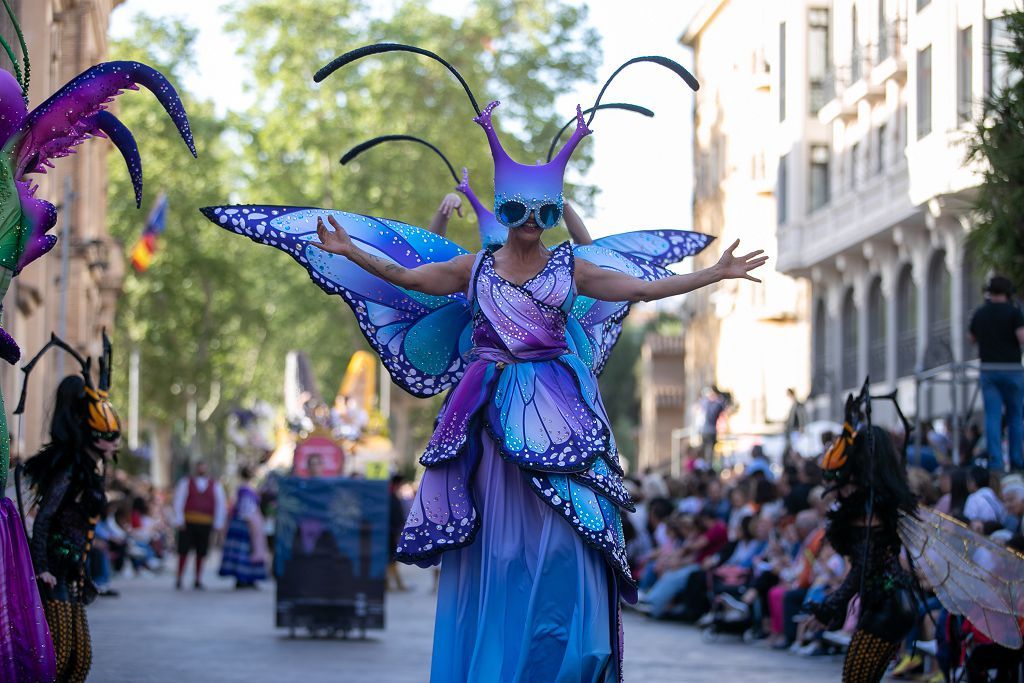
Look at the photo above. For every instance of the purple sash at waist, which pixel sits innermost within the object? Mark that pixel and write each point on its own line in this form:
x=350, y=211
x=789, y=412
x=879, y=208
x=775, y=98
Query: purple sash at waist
x=494, y=355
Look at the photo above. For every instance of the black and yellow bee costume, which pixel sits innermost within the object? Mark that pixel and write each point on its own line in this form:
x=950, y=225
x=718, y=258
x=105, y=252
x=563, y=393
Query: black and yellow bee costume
x=67, y=478
x=870, y=482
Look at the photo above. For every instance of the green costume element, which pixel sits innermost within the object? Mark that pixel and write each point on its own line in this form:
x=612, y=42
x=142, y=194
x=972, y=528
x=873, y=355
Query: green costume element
x=14, y=231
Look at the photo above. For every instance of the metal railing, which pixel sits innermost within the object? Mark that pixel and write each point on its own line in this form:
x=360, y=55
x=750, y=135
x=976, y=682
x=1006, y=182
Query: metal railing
x=958, y=377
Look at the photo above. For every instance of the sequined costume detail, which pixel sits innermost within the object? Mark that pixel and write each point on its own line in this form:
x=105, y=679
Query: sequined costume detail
x=875, y=566
x=540, y=406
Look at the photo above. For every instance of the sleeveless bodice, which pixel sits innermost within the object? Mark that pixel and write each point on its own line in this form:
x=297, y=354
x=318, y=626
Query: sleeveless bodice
x=522, y=322
x=525, y=390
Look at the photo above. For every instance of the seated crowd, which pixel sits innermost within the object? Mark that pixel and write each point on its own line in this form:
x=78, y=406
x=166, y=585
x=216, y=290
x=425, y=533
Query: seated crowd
x=134, y=533
x=743, y=551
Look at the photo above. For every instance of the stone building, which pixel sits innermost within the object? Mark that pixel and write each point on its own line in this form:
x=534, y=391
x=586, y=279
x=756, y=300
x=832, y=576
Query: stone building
x=876, y=98
x=662, y=410
x=748, y=339
x=64, y=37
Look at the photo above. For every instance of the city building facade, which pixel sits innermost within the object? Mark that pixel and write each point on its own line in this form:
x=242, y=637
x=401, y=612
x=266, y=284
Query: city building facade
x=662, y=408
x=876, y=99
x=740, y=336
x=73, y=290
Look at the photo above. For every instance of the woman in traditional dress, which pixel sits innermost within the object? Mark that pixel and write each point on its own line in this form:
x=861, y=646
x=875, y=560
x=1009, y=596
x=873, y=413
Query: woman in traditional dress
x=245, y=547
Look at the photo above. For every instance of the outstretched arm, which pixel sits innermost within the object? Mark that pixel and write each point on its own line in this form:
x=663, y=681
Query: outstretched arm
x=574, y=224
x=439, y=223
x=442, y=278
x=608, y=285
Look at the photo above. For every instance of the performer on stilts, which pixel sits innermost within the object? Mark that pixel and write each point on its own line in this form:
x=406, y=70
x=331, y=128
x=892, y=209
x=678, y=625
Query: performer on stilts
x=67, y=477
x=875, y=518
x=523, y=488
x=31, y=141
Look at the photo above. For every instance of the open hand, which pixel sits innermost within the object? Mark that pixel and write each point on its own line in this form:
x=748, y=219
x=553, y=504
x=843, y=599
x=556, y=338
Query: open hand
x=733, y=266
x=336, y=241
x=48, y=578
x=451, y=202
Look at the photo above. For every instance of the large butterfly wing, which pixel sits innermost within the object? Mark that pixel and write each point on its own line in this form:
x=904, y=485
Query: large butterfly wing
x=660, y=247
x=971, y=575
x=594, y=326
x=420, y=338
x=596, y=519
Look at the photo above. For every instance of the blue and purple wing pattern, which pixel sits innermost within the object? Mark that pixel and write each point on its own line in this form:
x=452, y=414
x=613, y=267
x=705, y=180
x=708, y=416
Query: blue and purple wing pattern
x=541, y=420
x=596, y=519
x=421, y=339
x=594, y=325
x=442, y=516
x=660, y=247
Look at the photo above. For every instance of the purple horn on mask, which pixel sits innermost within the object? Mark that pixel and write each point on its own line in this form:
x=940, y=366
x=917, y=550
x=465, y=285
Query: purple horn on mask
x=520, y=190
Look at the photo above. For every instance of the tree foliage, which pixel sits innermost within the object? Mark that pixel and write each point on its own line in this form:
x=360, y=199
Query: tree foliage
x=998, y=142
x=213, y=307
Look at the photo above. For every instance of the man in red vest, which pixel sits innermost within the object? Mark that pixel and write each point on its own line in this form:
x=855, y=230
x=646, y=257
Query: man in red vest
x=199, y=508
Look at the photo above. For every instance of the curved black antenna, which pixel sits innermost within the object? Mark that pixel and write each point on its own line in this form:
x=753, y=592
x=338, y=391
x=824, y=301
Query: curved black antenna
x=635, y=108
x=373, y=142
x=105, y=363
x=380, y=48
x=669, y=64
x=55, y=342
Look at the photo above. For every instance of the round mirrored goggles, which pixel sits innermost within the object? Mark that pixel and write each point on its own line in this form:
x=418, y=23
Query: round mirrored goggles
x=514, y=212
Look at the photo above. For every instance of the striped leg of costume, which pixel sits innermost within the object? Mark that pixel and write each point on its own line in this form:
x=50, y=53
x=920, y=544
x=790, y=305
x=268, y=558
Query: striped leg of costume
x=70, y=631
x=868, y=658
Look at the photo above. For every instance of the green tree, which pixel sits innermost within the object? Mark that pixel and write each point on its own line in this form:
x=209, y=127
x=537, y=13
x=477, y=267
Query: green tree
x=296, y=132
x=998, y=143
x=201, y=313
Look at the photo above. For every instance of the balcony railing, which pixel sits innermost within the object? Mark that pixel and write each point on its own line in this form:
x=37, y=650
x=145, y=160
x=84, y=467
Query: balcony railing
x=876, y=357
x=906, y=353
x=890, y=43
x=939, y=349
x=862, y=60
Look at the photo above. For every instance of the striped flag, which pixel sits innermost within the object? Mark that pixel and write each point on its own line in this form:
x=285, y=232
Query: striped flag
x=145, y=248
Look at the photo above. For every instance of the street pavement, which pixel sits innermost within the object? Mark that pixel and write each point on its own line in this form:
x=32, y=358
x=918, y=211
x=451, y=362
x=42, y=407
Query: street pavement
x=154, y=634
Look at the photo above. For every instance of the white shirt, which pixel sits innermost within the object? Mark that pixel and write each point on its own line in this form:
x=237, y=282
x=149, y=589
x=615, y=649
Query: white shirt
x=220, y=510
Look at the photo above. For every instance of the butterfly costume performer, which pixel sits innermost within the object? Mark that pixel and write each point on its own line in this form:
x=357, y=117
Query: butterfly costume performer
x=875, y=518
x=30, y=141
x=522, y=491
